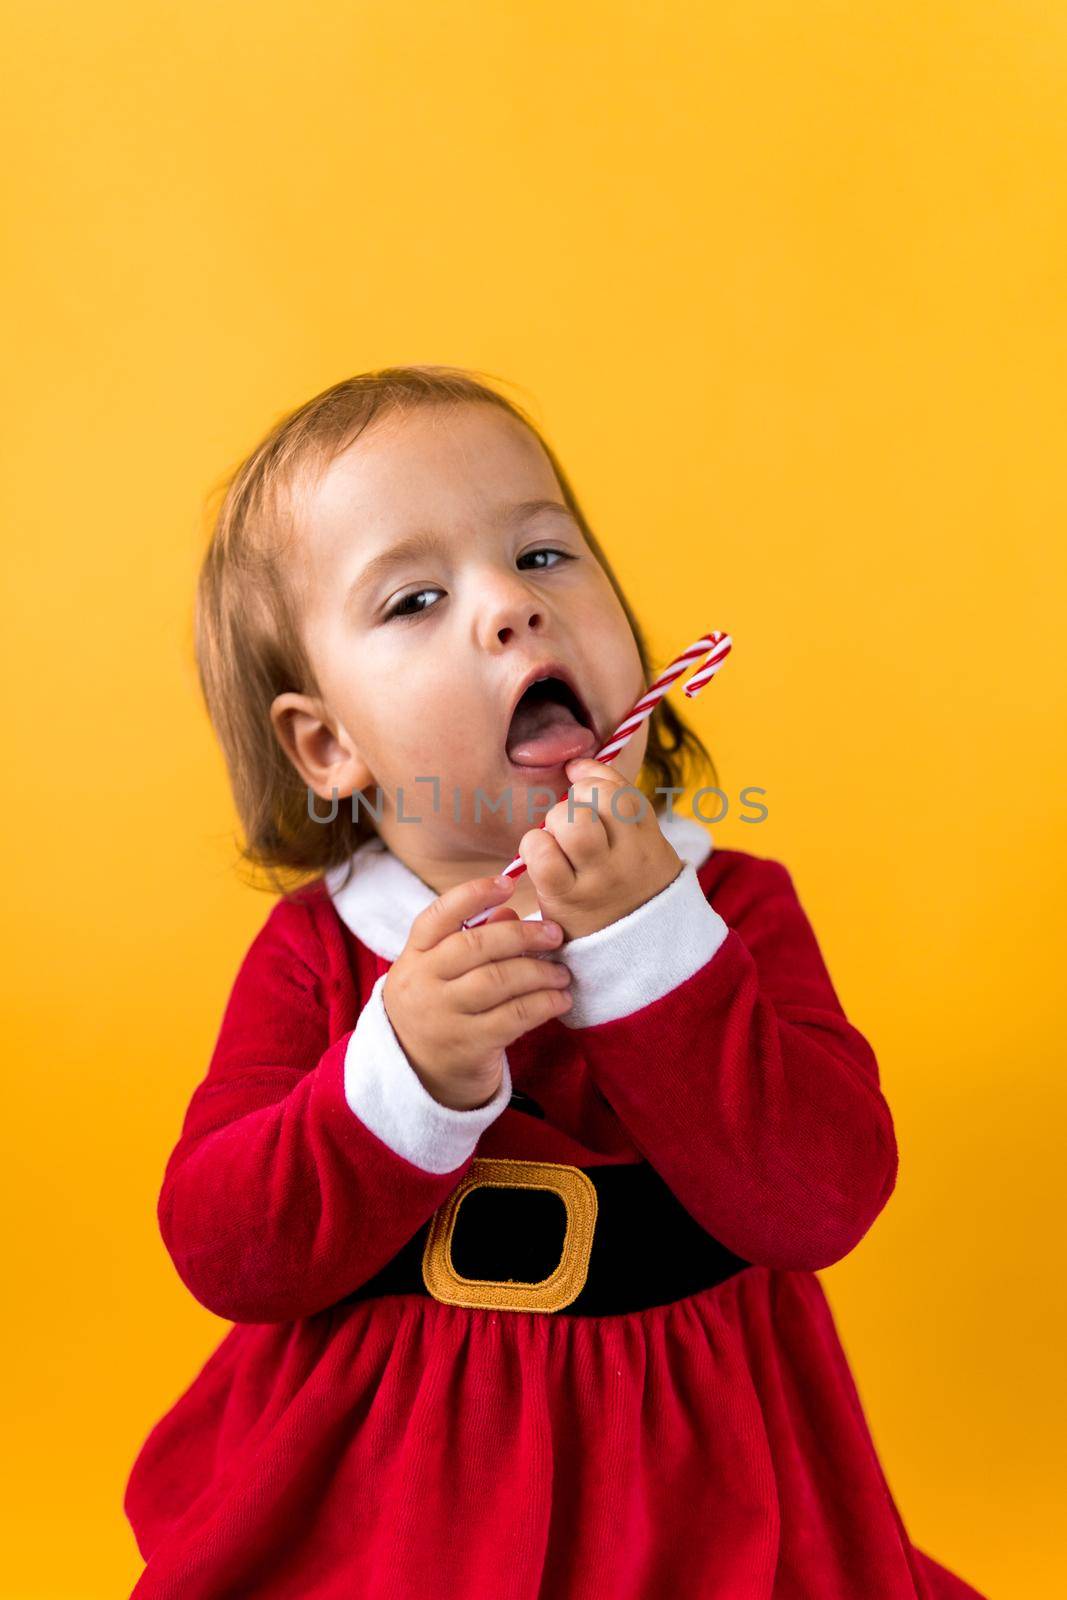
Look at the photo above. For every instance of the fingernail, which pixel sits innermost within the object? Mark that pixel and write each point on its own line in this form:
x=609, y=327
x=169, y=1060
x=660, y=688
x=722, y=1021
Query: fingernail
x=552, y=930
x=503, y=881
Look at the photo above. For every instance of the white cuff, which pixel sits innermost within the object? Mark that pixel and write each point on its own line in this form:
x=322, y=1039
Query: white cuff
x=387, y=1094
x=632, y=962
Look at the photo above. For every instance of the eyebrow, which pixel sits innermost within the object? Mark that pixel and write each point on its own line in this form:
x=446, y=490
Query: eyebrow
x=422, y=543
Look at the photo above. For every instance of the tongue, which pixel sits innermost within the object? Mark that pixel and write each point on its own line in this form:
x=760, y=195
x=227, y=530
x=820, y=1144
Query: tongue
x=546, y=735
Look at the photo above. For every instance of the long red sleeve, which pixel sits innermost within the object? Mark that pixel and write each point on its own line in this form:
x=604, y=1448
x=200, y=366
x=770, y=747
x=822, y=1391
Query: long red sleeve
x=278, y=1200
x=744, y=1084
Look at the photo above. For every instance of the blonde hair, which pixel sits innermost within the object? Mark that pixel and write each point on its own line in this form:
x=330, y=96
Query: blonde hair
x=246, y=631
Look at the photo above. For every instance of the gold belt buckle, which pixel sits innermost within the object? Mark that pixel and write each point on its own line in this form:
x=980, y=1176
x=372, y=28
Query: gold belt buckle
x=578, y=1193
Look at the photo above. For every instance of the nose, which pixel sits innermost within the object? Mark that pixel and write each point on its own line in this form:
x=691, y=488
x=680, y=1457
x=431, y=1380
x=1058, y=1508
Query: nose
x=506, y=609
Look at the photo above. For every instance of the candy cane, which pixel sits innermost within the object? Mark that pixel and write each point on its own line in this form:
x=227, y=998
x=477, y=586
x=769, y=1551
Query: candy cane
x=715, y=647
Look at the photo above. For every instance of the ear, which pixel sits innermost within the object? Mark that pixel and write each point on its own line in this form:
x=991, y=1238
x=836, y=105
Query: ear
x=321, y=751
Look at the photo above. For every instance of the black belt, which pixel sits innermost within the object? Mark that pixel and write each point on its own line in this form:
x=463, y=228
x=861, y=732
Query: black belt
x=544, y=1236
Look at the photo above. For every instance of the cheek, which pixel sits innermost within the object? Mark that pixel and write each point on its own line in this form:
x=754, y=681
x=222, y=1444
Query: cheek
x=424, y=718
x=632, y=758
x=606, y=623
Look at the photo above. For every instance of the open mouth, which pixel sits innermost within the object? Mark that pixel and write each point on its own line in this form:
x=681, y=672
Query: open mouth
x=549, y=726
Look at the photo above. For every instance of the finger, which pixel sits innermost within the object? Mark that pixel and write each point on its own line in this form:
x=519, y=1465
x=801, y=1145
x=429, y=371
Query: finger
x=518, y=1016
x=580, y=830
x=584, y=767
x=617, y=804
x=451, y=909
x=499, y=981
x=551, y=872
x=545, y=932
x=495, y=940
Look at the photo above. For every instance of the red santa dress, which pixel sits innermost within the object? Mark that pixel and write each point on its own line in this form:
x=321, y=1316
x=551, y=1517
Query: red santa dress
x=401, y=1445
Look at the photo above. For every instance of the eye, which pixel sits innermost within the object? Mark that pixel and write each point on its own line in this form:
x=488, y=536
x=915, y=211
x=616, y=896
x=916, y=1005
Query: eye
x=398, y=611
x=543, y=551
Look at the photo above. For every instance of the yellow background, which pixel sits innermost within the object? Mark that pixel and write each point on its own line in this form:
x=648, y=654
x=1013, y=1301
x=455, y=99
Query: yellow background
x=785, y=286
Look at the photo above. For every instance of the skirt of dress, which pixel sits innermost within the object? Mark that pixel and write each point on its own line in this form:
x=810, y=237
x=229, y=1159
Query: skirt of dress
x=401, y=1448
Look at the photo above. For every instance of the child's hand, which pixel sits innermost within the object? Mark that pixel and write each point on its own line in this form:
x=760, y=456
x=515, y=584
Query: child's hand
x=456, y=998
x=598, y=867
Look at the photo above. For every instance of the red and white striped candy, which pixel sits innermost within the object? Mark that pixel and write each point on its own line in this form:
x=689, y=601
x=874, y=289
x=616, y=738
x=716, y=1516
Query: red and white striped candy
x=715, y=647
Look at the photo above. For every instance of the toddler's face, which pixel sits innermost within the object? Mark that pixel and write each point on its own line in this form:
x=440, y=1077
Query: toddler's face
x=421, y=660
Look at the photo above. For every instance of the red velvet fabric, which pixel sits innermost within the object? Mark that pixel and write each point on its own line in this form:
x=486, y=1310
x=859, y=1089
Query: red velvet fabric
x=401, y=1448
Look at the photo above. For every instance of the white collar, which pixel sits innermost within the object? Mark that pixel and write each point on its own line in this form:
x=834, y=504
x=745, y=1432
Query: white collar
x=383, y=896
